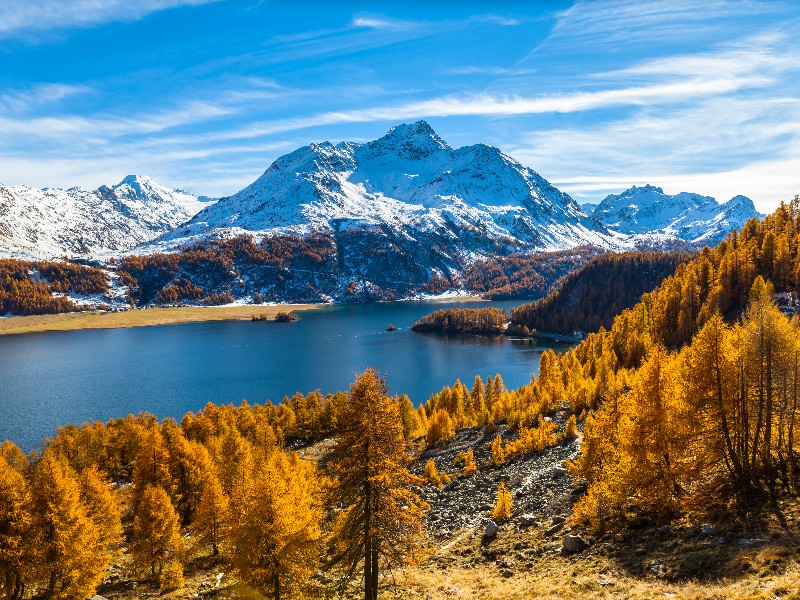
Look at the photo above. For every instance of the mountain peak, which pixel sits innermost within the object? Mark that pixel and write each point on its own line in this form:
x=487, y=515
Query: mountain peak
x=634, y=190
x=413, y=141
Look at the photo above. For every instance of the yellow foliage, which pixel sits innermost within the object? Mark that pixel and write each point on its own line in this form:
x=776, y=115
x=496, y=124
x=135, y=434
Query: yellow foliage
x=381, y=521
x=571, y=428
x=171, y=577
x=504, y=505
x=15, y=526
x=498, y=452
x=440, y=427
x=67, y=544
x=275, y=543
x=157, y=536
x=469, y=463
x=431, y=474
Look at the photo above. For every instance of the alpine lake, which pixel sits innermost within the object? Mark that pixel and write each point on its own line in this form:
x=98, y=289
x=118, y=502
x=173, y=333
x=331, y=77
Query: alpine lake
x=54, y=378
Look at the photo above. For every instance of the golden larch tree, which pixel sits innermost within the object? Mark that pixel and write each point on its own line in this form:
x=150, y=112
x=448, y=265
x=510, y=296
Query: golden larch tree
x=67, y=541
x=379, y=521
x=15, y=530
x=156, y=531
x=210, y=519
x=275, y=543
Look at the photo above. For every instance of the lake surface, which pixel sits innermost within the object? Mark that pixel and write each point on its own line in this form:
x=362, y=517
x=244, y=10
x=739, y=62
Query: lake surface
x=50, y=379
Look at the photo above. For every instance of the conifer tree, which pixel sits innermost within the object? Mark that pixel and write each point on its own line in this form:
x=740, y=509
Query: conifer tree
x=276, y=541
x=102, y=507
x=14, y=456
x=152, y=463
x=15, y=531
x=431, y=474
x=504, y=503
x=498, y=452
x=380, y=520
x=469, y=463
x=156, y=532
x=67, y=541
x=209, y=523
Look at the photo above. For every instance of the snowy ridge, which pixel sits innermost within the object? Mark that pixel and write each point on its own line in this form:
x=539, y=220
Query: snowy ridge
x=410, y=183
x=648, y=213
x=53, y=222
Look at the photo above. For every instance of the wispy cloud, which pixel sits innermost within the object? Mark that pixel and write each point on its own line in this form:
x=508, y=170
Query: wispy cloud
x=380, y=22
x=21, y=17
x=38, y=95
x=498, y=106
x=490, y=70
x=500, y=20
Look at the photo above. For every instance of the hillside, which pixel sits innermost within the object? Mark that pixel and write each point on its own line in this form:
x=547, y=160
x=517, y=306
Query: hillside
x=590, y=297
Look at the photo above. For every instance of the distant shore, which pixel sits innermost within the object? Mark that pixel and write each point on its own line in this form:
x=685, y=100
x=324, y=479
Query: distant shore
x=143, y=317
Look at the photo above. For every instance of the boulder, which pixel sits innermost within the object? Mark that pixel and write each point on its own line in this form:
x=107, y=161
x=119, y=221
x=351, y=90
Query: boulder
x=554, y=528
x=573, y=543
x=528, y=520
x=491, y=529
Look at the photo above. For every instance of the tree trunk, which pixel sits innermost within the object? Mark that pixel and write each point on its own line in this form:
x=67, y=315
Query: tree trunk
x=374, y=559
x=367, y=544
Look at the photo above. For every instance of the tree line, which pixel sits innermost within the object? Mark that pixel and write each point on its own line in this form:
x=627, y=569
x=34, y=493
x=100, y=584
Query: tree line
x=489, y=321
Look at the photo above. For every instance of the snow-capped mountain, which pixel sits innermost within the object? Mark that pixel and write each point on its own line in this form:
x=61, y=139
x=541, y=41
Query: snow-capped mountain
x=648, y=213
x=411, y=186
x=52, y=222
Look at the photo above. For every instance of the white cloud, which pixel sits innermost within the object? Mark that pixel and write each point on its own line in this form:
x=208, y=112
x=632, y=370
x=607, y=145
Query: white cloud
x=380, y=22
x=492, y=70
x=21, y=17
x=35, y=96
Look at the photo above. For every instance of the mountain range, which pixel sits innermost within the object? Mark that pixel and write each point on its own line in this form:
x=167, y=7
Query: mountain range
x=53, y=222
x=408, y=191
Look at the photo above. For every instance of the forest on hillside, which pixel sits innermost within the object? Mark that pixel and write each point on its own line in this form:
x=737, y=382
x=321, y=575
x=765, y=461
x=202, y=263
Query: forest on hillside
x=276, y=269
x=38, y=287
x=590, y=297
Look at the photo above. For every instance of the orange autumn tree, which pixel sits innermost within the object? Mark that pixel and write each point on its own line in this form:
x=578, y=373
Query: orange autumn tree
x=275, y=542
x=156, y=531
x=15, y=528
x=379, y=520
x=68, y=545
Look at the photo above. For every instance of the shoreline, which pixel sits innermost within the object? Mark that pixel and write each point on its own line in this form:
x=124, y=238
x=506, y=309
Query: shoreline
x=143, y=317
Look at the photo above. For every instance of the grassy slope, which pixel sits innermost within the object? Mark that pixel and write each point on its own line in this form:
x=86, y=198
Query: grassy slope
x=140, y=318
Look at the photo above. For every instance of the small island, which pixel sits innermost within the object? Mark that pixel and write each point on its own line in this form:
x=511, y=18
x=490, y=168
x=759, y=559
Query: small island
x=286, y=317
x=486, y=321
x=391, y=327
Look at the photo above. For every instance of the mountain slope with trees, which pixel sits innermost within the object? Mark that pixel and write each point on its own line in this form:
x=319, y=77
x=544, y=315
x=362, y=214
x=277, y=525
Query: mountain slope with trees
x=590, y=297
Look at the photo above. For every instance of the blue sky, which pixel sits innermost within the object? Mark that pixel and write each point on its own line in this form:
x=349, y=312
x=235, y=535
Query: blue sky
x=595, y=96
